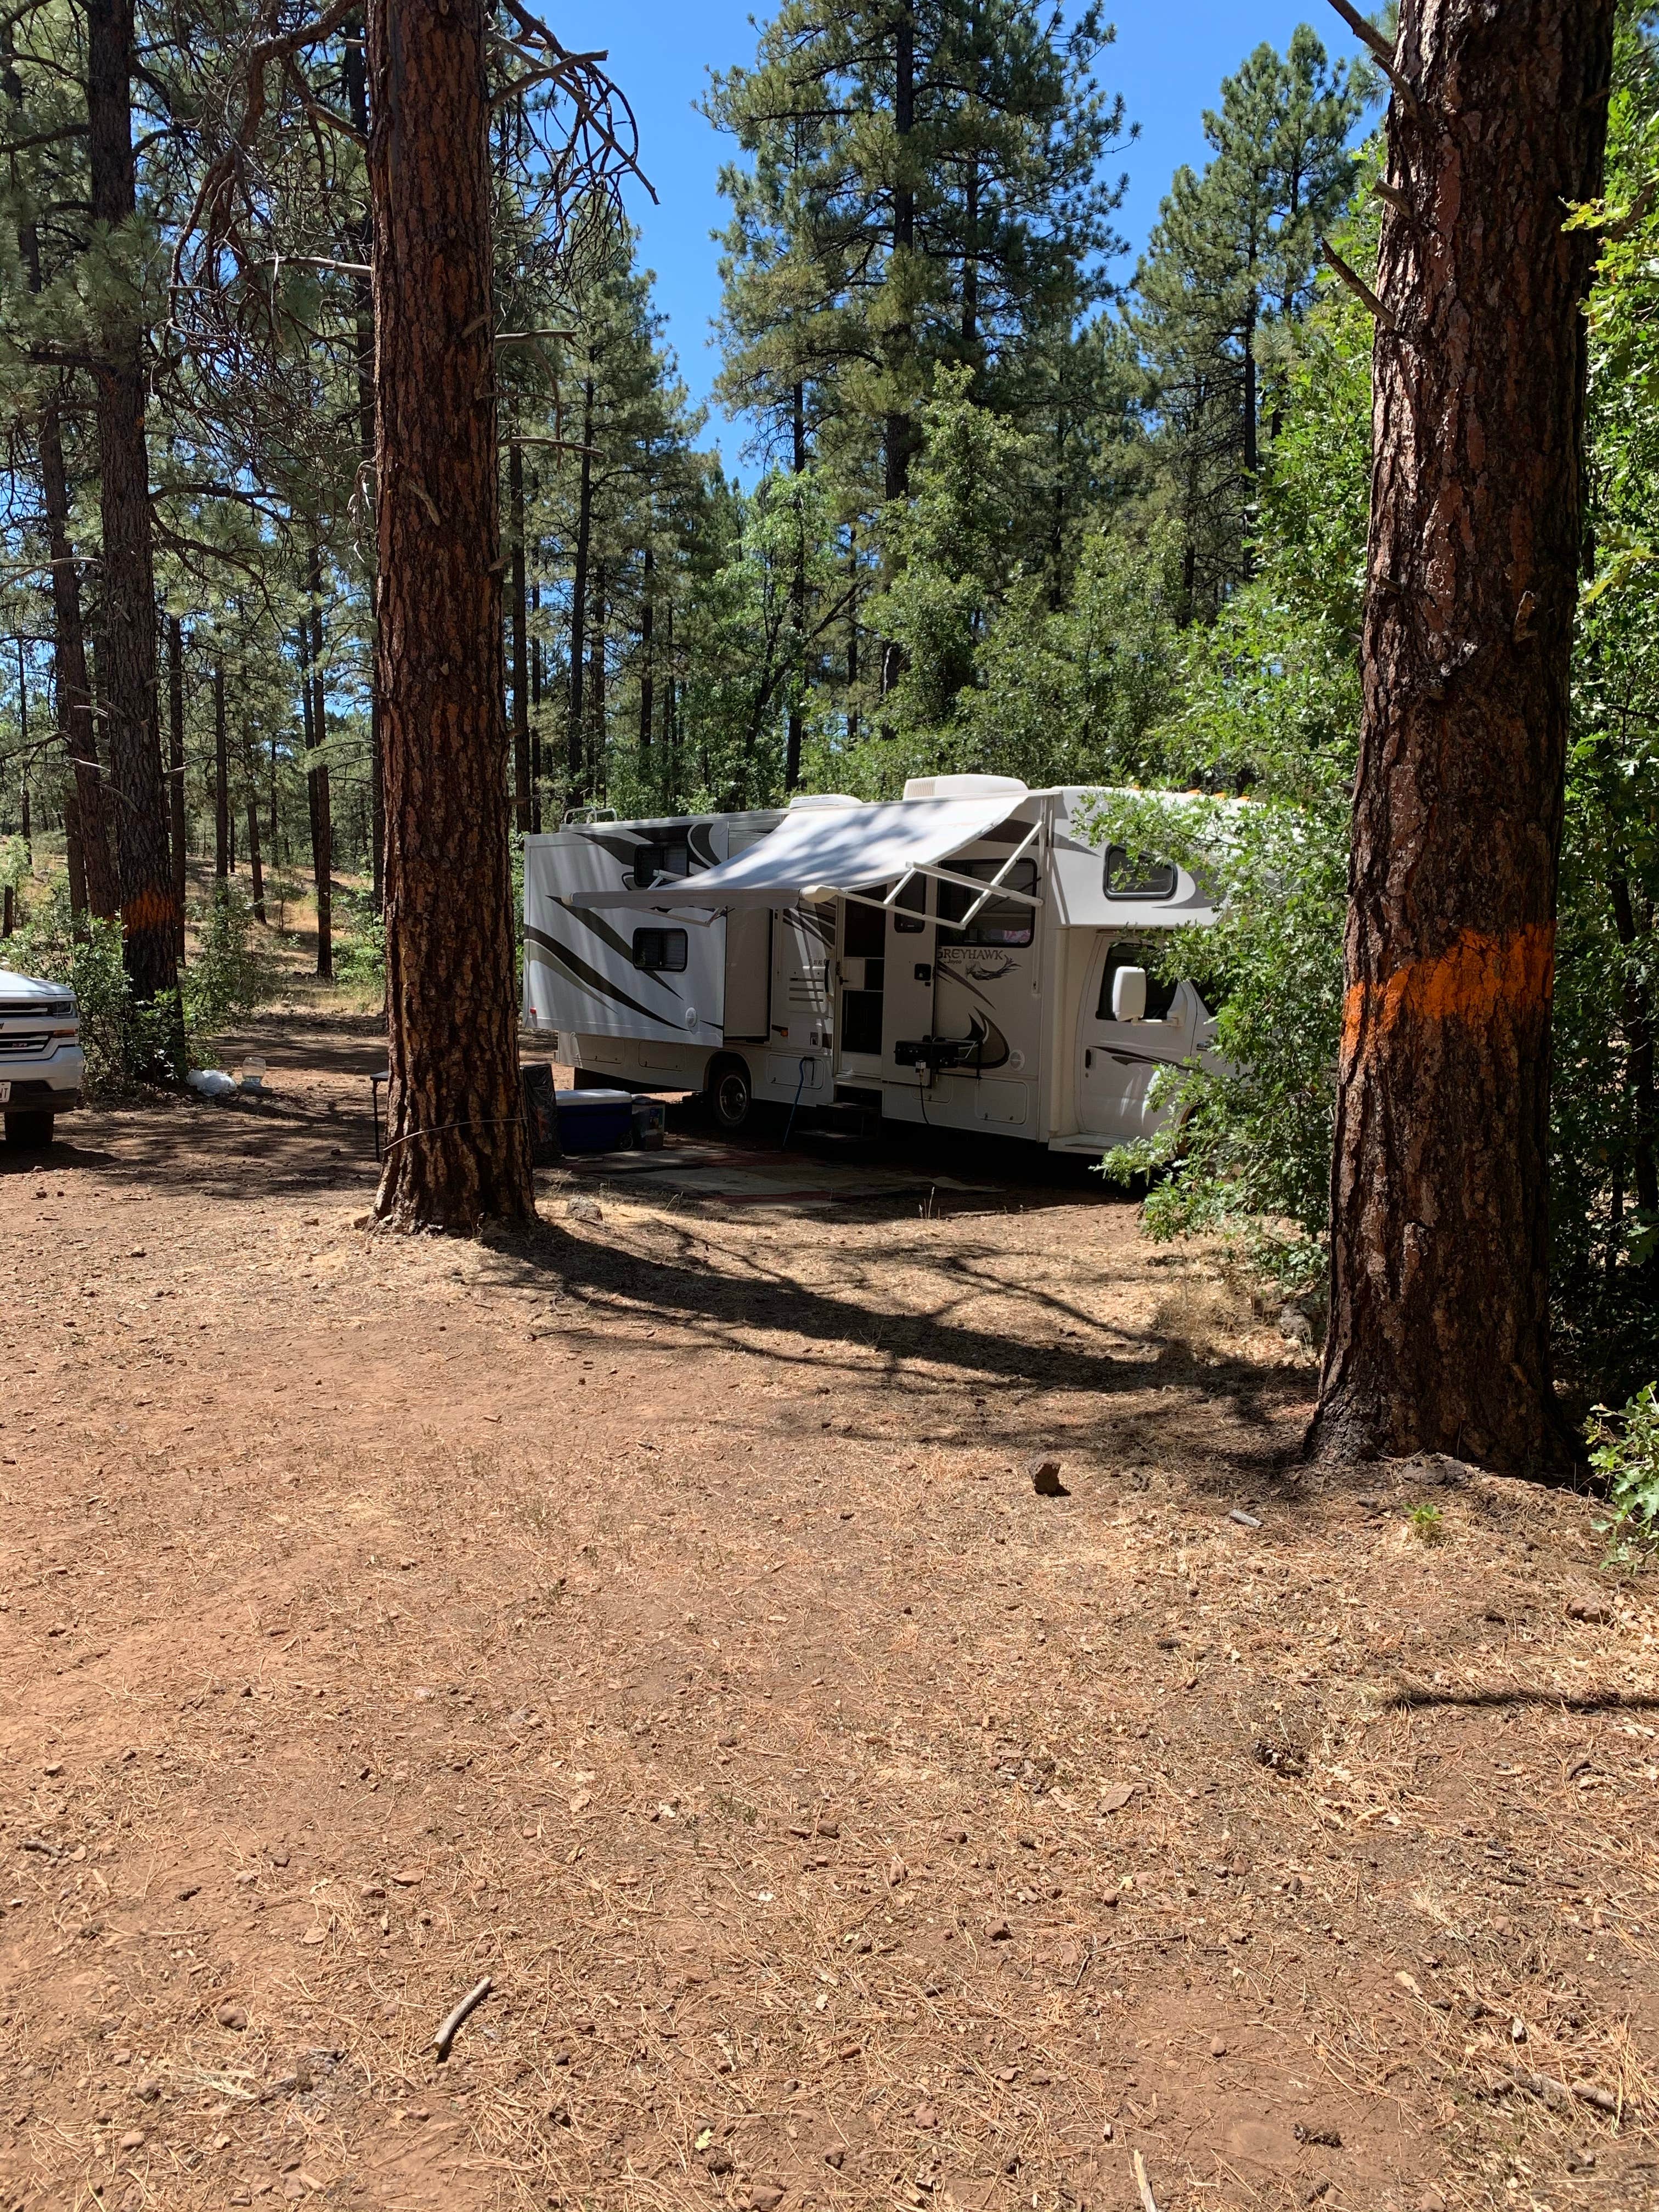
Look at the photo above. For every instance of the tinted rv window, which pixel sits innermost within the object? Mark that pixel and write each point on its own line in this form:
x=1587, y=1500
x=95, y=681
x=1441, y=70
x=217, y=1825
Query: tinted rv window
x=1160, y=995
x=663, y=860
x=661, y=951
x=909, y=909
x=1132, y=875
x=1000, y=920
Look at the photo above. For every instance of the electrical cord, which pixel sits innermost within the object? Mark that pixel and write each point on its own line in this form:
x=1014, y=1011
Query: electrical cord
x=800, y=1085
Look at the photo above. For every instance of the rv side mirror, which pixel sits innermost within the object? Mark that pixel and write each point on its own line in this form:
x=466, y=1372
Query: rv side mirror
x=1129, y=995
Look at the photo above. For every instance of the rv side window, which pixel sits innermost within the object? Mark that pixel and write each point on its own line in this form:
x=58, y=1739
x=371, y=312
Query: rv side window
x=1000, y=920
x=909, y=909
x=1132, y=875
x=1160, y=995
x=661, y=950
x=664, y=861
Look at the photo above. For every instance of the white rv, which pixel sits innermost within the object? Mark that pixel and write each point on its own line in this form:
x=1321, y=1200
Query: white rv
x=959, y=958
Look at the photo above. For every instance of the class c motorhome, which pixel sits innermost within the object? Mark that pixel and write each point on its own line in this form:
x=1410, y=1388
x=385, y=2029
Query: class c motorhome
x=963, y=957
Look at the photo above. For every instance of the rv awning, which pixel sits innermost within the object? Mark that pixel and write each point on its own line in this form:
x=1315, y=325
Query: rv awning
x=826, y=850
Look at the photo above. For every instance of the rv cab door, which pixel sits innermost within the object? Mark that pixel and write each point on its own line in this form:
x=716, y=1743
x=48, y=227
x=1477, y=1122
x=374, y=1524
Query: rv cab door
x=1117, y=1060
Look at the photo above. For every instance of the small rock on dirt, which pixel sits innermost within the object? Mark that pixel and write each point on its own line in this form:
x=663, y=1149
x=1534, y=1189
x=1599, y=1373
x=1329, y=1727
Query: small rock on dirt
x=1594, y=1609
x=1218, y=2048
x=1294, y=1326
x=231, y=2015
x=835, y=2157
x=1115, y=1799
x=998, y=1932
x=584, y=1209
x=1044, y=1472
x=766, y=2197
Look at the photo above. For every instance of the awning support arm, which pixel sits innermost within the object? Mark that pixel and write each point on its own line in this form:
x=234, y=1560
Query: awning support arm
x=996, y=882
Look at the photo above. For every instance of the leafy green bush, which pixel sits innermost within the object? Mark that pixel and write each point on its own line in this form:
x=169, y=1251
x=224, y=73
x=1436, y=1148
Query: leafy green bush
x=124, y=1044
x=359, y=951
x=229, y=976
x=1247, y=1147
x=1625, y=1454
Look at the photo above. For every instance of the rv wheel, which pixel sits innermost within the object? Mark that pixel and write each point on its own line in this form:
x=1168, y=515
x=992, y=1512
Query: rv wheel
x=730, y=1095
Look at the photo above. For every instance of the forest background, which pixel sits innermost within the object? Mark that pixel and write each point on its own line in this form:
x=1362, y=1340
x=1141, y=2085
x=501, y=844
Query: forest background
x=1003, y=515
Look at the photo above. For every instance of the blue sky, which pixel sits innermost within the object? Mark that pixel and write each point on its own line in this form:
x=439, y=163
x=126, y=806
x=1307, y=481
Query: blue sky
x=1168, y=63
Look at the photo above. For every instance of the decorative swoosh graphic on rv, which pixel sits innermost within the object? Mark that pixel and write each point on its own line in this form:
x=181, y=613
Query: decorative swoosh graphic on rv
x=993, y=1045
x=536, y=942
x=607, y=934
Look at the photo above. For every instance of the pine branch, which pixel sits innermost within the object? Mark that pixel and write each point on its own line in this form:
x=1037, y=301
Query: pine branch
x=1357, y=284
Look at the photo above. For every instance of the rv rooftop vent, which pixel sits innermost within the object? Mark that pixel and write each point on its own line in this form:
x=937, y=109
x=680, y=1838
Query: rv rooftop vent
x=804, y=800
x=964, y=787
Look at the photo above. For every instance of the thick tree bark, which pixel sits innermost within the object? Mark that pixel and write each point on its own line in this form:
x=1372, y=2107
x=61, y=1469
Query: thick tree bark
x=221, y=778
x=576, y=739
x=457, y=1153
x=176, y=767
x=127, y=665
x=521, y=783
x=1439, y=1330
x=98, y=890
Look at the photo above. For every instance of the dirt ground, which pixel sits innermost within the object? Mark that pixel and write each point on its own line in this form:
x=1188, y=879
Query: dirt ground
x=660, y=1619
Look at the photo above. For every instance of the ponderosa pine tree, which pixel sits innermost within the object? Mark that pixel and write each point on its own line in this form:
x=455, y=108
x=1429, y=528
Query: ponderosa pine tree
x=1232, y=253
x=1439, y=1336
x=127, y=654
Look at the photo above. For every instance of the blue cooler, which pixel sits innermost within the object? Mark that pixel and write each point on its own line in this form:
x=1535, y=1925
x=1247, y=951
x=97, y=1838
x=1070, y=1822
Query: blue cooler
x=595, y=1120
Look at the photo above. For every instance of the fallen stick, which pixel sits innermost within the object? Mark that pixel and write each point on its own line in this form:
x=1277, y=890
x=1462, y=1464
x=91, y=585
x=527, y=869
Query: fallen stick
x=1149, y=2202
x=453, y=2023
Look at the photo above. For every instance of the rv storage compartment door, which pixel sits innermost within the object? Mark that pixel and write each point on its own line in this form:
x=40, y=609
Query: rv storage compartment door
x=748, y=972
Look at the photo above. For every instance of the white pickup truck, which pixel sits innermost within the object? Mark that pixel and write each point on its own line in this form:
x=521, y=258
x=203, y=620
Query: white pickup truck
x=42, y=1064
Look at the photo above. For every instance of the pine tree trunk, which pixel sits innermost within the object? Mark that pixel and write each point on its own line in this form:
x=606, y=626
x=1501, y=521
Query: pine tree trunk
x=322, y=807
x=457, y=1153
x=355, y=75
x=536, y=714
x=73, y=688
x=797, y=600
x=176, y=767
x=255, y=869
x=576, y=742
x=520, y=636
x=1640, y=1054
x=1439, y=1330
x=597, y=708
x=647, y=673
x=127, y=663
x=221, y=778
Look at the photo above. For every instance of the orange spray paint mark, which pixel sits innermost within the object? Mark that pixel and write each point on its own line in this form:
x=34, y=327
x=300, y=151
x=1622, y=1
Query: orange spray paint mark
x=148, y=909
x=1467, y=983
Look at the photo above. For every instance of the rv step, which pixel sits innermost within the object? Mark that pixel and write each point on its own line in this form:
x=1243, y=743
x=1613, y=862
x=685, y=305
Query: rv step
x=845, y=1123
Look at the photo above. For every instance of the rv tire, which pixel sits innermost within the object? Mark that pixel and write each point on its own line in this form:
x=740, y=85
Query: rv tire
x=730, y=1096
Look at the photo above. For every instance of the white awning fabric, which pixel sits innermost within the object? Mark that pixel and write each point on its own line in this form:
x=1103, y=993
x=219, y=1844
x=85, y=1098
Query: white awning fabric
x=826, y=850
